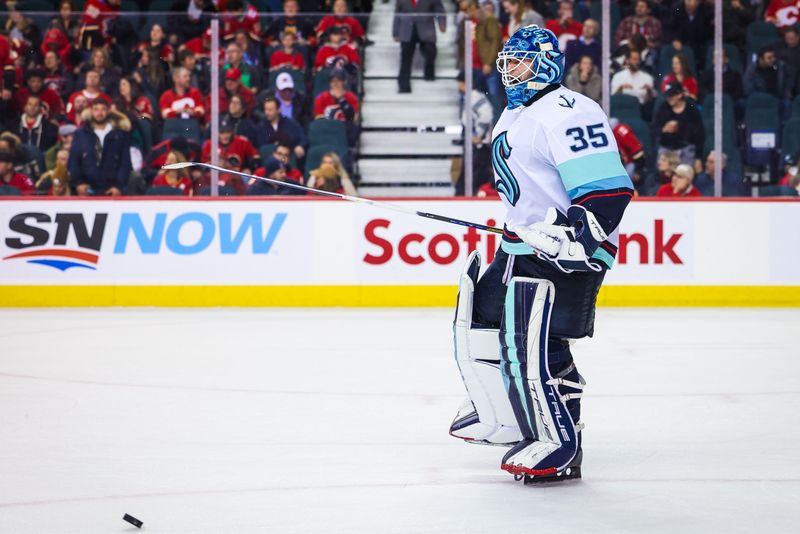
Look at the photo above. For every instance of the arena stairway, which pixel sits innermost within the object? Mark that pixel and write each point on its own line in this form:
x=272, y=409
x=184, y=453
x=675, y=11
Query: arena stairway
x=406, y=145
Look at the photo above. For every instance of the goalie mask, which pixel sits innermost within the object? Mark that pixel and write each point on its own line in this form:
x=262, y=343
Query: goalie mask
x=529, y=62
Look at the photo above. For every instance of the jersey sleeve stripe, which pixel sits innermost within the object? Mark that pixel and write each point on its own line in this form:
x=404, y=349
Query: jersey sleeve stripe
x=605, y=257
x=585, y=169
x=622, y=181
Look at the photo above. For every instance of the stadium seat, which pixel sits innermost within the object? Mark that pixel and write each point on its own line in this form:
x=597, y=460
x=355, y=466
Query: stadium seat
x=759, y=35
x=189, y=128
x=796, y=108
x=164, y=191
x=777, y=191
x=9, y=191
x=762, y=119
x=734, y=57
x=790, y=139
x=665, y=59
x=145, y=129
x=642, y=131
x=224, y=191
x=315, y=153
x=625, y=107
x=327, y=131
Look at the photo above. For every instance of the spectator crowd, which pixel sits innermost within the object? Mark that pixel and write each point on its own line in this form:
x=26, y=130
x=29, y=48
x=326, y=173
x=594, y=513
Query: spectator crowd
x=98, y=95
x=662, y=86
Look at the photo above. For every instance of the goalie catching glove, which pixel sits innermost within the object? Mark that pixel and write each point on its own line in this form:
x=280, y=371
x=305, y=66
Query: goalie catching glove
x=567, y=241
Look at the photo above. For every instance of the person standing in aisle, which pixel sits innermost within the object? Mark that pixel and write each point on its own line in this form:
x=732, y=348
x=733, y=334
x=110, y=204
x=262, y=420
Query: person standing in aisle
x=415, y=23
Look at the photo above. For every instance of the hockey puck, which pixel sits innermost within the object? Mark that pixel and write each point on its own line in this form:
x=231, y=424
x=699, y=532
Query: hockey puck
x=132, y=520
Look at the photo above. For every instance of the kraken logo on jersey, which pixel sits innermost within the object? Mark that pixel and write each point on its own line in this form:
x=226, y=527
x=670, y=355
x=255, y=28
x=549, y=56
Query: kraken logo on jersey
x=506, y=184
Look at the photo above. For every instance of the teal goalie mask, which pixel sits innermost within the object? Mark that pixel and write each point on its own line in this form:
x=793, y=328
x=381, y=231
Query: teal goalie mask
x=542, y=63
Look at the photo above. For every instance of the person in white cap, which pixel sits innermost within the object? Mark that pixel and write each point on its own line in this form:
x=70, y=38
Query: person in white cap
x=293, y=104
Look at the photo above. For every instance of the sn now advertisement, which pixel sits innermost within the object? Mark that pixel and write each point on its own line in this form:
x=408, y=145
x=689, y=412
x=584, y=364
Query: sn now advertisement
x=328, y=243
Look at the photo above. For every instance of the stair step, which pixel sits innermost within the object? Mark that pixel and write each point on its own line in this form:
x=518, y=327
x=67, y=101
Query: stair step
x=422, y=171
x=406, y=191
x=410, y=115
x=409, y=144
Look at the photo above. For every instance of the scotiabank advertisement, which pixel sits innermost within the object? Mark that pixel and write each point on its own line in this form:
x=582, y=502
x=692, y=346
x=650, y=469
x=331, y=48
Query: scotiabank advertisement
x=331, y=243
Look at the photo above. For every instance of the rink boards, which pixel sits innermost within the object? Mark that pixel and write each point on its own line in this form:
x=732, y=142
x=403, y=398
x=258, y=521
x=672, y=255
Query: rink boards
x=302, y=252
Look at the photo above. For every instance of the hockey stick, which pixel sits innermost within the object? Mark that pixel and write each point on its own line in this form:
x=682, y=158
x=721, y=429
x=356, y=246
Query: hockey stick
x=376, y=203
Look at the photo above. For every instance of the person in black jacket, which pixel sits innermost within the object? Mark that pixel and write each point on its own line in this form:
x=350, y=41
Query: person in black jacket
x=678, y=126
x=274, y=169
x=275, y=128
x=34, y=128
x=241, y=124
x=100, y=159
x=691, y=25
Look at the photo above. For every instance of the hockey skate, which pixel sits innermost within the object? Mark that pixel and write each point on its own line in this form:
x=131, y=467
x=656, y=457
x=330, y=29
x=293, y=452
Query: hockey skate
x=526, y=452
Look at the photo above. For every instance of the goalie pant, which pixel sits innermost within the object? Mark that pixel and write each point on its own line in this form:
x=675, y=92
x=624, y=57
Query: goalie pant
x=537, y=313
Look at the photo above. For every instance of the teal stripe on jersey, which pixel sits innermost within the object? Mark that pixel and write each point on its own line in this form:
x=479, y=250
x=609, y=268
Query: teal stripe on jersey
x=603, y=184
x=516, y=249
x=605, y=257
x=580, y=171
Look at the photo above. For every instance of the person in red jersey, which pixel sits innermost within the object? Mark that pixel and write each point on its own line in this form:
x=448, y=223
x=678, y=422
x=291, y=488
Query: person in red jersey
x=177, y=179
x=682, y=74
x=565, y=27
x=337, y=103
x=336, y=53
x=88, y=94
x=783, y=13
x=232, y=145
x=682, y=184
x=353, y=31
x=288, y=56
x=158, y=41
x=94, y=23
x=10, y=177
x=201, y=46
x=51, y=102
x=240, y=16
x=233, y=86
x=132, y=102
x=631, y=151
x=184, y=101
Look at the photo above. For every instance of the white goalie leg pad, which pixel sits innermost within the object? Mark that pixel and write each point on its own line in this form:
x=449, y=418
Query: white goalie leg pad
x=486, y=416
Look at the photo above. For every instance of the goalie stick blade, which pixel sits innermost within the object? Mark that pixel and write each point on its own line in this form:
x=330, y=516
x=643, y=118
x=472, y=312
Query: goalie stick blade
x=177, y=166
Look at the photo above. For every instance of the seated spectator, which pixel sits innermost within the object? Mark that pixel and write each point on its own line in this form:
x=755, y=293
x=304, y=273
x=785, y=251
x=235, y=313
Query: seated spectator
x=242, y=125
x=641, y=22
x=200, y=46
x=284, y=153
x=34, y=128
x=731, y=80
x=520, y=15
x=340, y=178
x=681, y=184
x=691, y=25
x=678, y=126
x=767, y=74
x=487, y=190
x=150, y=73
x=98, y=16
x=251, y=50
x=66, y=22
x=184, y=101
x=189, y=19
x=585, y=45
x=57, y=42
x=349, y=26
x=336, y=53
x=338, y=104
x=666, y=164
x=682, y=74
x=732, y=185
x=288, y=56
x=584, y=78
x=481, y=136
x=10, y=177
x=631, y=151
x=132, y=102
x=89, y=93
x=275, y=128
x=100, y=156
x=291, y=22
x=22, y=29
x=157, y=156
x=55, y=182
x=56, y=77
x=100, y=62
x=233, y=145
x=293, y=104
x=736, y=17
x=565, y=27
x=240, y=16
x=52, y=106
x=66, y=132
x=235, y=61
x=788, y=50
x=782, y=13
x=25, y=161
x=486, y=45
x=158, y=42
x=274, y=170
x=198, y=74
x=177, y=179
x=633, y=81
x=233, y=86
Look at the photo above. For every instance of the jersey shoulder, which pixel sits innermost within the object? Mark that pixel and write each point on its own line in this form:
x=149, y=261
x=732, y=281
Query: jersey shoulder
x=564, y=107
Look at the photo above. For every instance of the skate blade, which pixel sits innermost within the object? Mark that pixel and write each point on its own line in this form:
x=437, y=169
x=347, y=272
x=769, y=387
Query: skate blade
x=542, y=476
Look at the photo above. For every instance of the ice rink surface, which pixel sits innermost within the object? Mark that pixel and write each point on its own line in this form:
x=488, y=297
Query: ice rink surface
x=336, y=421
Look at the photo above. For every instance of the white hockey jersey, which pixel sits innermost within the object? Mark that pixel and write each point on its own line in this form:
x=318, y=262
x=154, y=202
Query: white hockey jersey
x=557, y=151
